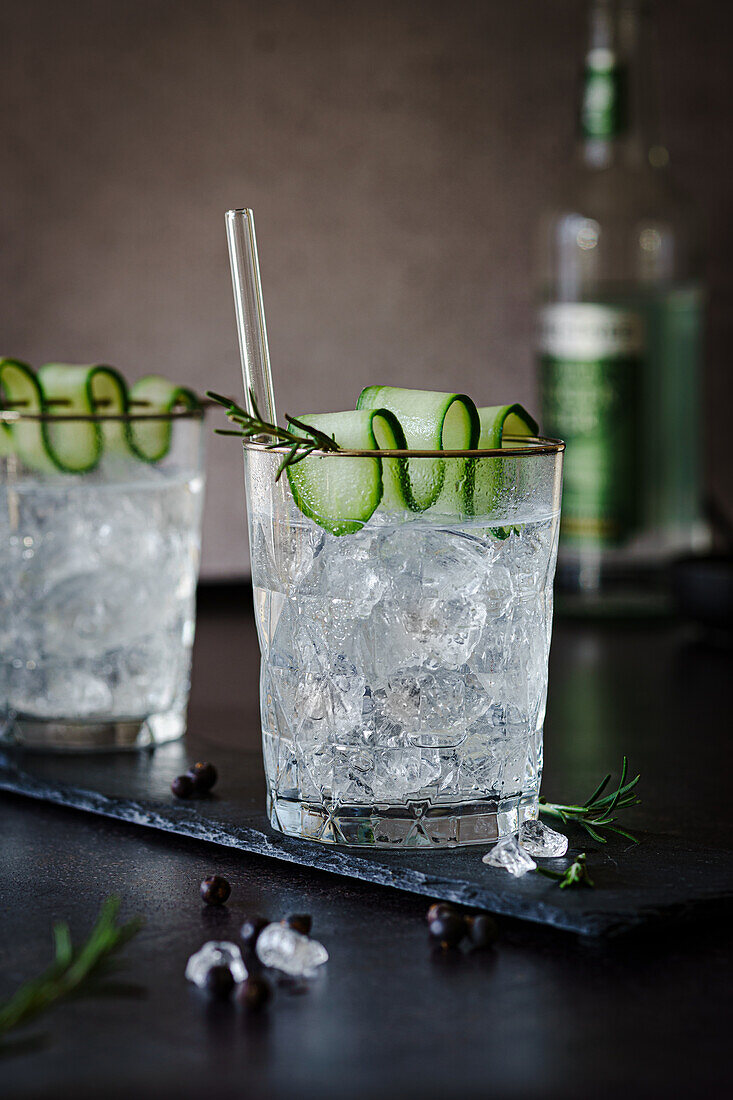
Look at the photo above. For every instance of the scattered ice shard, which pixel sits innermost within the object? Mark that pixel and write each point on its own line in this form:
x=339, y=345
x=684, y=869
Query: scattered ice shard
x=510, y=856
x=284, y=949
x=215, y=953
x=539, y=839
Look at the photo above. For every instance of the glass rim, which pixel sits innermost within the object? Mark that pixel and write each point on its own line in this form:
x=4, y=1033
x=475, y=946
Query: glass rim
x=13, y=416
x=534, y=445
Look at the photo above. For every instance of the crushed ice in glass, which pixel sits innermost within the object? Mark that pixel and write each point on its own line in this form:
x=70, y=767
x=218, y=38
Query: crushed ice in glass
x=539, y=839
x=404, y=661
x=510, y=856
x=215, y=953
x=97, y=581
x=285, y=949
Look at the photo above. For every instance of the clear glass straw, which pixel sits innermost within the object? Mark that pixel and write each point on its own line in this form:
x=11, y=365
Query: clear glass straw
x=250, y=312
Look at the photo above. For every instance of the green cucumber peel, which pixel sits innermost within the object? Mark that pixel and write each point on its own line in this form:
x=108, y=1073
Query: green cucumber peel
x=109, y=391
x=497, y=422
x=150, y=439
x=341, y=492
x=342, y=498
x=20, y=389
x=75, y=389
x=389, y=436
x=431, y=421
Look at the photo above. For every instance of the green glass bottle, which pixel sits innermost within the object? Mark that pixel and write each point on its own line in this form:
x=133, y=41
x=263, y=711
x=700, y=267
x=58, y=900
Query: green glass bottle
x=619, y=335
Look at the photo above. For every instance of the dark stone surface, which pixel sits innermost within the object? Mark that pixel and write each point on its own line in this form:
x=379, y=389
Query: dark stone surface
x=544, y=1014
x=664, y=876
x=661, y=877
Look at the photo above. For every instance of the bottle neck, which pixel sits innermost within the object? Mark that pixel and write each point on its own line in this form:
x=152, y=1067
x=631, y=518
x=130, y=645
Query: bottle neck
x=614, y=107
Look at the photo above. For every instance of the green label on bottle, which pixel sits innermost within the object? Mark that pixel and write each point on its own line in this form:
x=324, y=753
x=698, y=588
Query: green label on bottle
x=591, y=360
x=604, y=105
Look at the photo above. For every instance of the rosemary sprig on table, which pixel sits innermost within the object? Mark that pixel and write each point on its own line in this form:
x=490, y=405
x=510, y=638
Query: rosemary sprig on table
x=71, y=967
x=597, y=812
x=574, y=875
x=251, y=425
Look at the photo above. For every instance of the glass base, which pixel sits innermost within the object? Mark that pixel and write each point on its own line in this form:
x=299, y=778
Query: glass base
x=413, y=825
x=69, y=735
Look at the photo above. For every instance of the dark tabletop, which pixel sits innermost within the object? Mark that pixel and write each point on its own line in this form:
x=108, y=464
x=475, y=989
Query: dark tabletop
x=544, y=1014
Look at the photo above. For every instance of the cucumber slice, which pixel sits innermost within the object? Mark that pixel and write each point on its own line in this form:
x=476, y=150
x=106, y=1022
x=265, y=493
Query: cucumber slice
x=341, y=493
x=431, y=421
x=395, y=476
x=69, y=388
x=497, y=422
x=151, y=440
x=19, y=389
x=77, y=446
x=109, y=395
x=6, y=440
x=6, y=431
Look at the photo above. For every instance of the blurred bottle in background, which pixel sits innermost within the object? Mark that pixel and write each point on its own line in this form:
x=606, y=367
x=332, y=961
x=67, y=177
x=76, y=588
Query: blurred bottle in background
x=620, y=336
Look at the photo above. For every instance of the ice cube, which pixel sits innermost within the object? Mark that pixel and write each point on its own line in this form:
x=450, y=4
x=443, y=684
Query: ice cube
x=403, y=772
x=341, y=773
x=399, y=702
x=283, y=554
x=55, y=693
x=215, y=953
x=480, y=762
x=285, y=949
x=538, y=839
x=438, y=562
x=427, y=631
x=510, y=856
x=432, y=709
x=350, y=575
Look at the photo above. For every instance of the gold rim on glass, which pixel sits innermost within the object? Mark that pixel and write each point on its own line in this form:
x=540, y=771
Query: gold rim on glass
x=12, y=416
x=536, y=445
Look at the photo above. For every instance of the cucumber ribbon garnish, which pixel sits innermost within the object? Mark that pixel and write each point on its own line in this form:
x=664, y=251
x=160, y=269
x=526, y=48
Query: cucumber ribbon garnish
x=342, y=494
x=76, y=446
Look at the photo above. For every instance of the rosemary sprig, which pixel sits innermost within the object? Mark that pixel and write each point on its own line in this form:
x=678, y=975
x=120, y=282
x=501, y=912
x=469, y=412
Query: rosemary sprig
x=597, y=812
x=574, y=875
x=251, y=425
x=71, y=967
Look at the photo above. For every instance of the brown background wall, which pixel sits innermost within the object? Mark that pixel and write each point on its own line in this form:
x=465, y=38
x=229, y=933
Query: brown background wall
x=396, y=153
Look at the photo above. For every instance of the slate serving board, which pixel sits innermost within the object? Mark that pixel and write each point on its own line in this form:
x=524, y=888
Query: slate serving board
x=662, y=877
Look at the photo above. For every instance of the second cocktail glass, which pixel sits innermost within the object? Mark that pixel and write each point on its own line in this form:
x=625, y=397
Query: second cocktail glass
x=98, y=575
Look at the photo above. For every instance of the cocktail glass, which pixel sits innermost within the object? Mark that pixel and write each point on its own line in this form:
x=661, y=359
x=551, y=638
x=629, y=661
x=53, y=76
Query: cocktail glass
x=404, y=665
x=97, y=585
